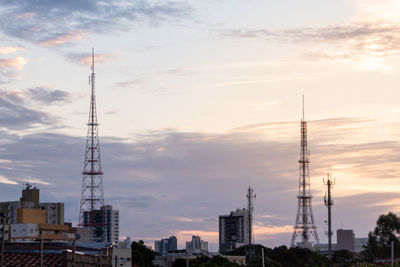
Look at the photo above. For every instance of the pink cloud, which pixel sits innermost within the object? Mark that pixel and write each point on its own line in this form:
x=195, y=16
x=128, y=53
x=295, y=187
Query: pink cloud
x=10, y=49
x=66, y=38
x=17, y=63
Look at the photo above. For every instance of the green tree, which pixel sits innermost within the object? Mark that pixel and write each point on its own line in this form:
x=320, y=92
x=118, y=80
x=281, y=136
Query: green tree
x=141, y=255
x=379, y=241
x=343, y=257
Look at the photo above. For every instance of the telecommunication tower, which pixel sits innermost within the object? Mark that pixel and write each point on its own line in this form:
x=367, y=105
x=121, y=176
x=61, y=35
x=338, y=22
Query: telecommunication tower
x=304, y=226
x=92, y=196
x=329, y=203
x=250, y=207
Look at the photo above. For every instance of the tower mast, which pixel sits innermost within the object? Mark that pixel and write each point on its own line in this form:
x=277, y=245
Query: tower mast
x=304, y=225
x=329, y=203
x=250, y=208
x=92, y=194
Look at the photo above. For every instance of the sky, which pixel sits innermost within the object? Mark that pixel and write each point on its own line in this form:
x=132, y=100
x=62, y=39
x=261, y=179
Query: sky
x=197, y=99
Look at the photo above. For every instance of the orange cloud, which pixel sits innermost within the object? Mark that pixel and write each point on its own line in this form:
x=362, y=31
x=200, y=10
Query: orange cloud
x=186, y=235
x=17, y=63
x=98, y=58
x=268, y=230
x=66, y=38
x=10, y=49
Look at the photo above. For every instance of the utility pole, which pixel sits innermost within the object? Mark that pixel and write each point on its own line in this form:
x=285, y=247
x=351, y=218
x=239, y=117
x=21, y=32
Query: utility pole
x=41, y=247
x=329, y=203
x=5, y=217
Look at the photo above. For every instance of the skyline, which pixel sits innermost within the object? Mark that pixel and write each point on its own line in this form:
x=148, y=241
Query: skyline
x=196, y=94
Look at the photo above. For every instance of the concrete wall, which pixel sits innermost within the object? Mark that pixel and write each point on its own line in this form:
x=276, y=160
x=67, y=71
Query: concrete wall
x=31, y=216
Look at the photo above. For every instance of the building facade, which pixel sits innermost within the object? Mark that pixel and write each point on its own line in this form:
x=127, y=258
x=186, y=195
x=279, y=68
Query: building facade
x=196, y=245
x=233, y=230
x=345, y=240
x=163, y=246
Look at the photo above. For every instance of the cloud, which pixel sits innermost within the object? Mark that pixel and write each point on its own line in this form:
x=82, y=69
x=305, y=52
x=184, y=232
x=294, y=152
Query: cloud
x=10, y=49
x=48, y=96
x=85, y=59
x=10, y=69
x=168, y=182
x=64, y=38
x=17, y=107
x=13, y=63
x=54, y=23
x=358, y=40
x=15, y=115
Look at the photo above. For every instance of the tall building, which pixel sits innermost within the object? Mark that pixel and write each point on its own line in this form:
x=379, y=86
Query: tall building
x=112, y=222
x=165, y=245
x=92, y=194
x=233, y=230
x=196, y=245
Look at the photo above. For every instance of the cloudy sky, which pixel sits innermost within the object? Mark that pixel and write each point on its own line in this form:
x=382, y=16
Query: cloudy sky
x=194, y=97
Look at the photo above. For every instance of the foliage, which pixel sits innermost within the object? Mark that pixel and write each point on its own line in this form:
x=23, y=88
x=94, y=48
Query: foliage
x=343, y=257
x=216, y=261
x=282, y=256
x=379, y=241
x=141, y=255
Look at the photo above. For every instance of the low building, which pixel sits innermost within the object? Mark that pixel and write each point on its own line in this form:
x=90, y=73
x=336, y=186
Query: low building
x=345, y=240
x=54, y=212
x=121, y=257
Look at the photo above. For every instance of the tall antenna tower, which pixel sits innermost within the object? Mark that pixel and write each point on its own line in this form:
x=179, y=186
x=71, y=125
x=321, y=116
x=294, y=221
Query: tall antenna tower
x=329, y=203
x=304, y=226
x=250, y=208
x=92, y=196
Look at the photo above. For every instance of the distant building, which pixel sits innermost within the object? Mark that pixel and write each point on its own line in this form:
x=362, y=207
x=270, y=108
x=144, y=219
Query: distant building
x=106, y=215
x=165, y=245
x=30, y=199
x=126, y=243
x=54, y=212
x=233, y=230
x=196, y=245
x=345, y=240
x=112, y=224
x=27, y=218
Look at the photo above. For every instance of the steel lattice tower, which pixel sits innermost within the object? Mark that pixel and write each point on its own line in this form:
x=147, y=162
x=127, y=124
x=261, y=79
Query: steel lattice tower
x=92, y=197
x=304, y=225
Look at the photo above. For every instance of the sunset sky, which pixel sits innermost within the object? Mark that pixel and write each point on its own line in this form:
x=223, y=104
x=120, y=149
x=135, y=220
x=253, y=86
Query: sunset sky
x=194, y=97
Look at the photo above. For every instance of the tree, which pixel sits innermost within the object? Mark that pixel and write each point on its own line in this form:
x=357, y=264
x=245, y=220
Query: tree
x=379, y=241
x=141, y=255
x=343, y=257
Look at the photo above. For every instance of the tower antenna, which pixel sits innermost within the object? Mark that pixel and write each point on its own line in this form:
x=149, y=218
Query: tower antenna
x=92, y=194
x=304, y=225
x=250, y=208
x=329, y=203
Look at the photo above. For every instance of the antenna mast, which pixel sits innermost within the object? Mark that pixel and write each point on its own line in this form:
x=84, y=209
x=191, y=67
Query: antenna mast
x=92, y=195
x=304, y=225
x=250, y=208
x=329, y=203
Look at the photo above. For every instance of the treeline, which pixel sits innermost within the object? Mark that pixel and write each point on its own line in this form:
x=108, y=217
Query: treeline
x=378, y=249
